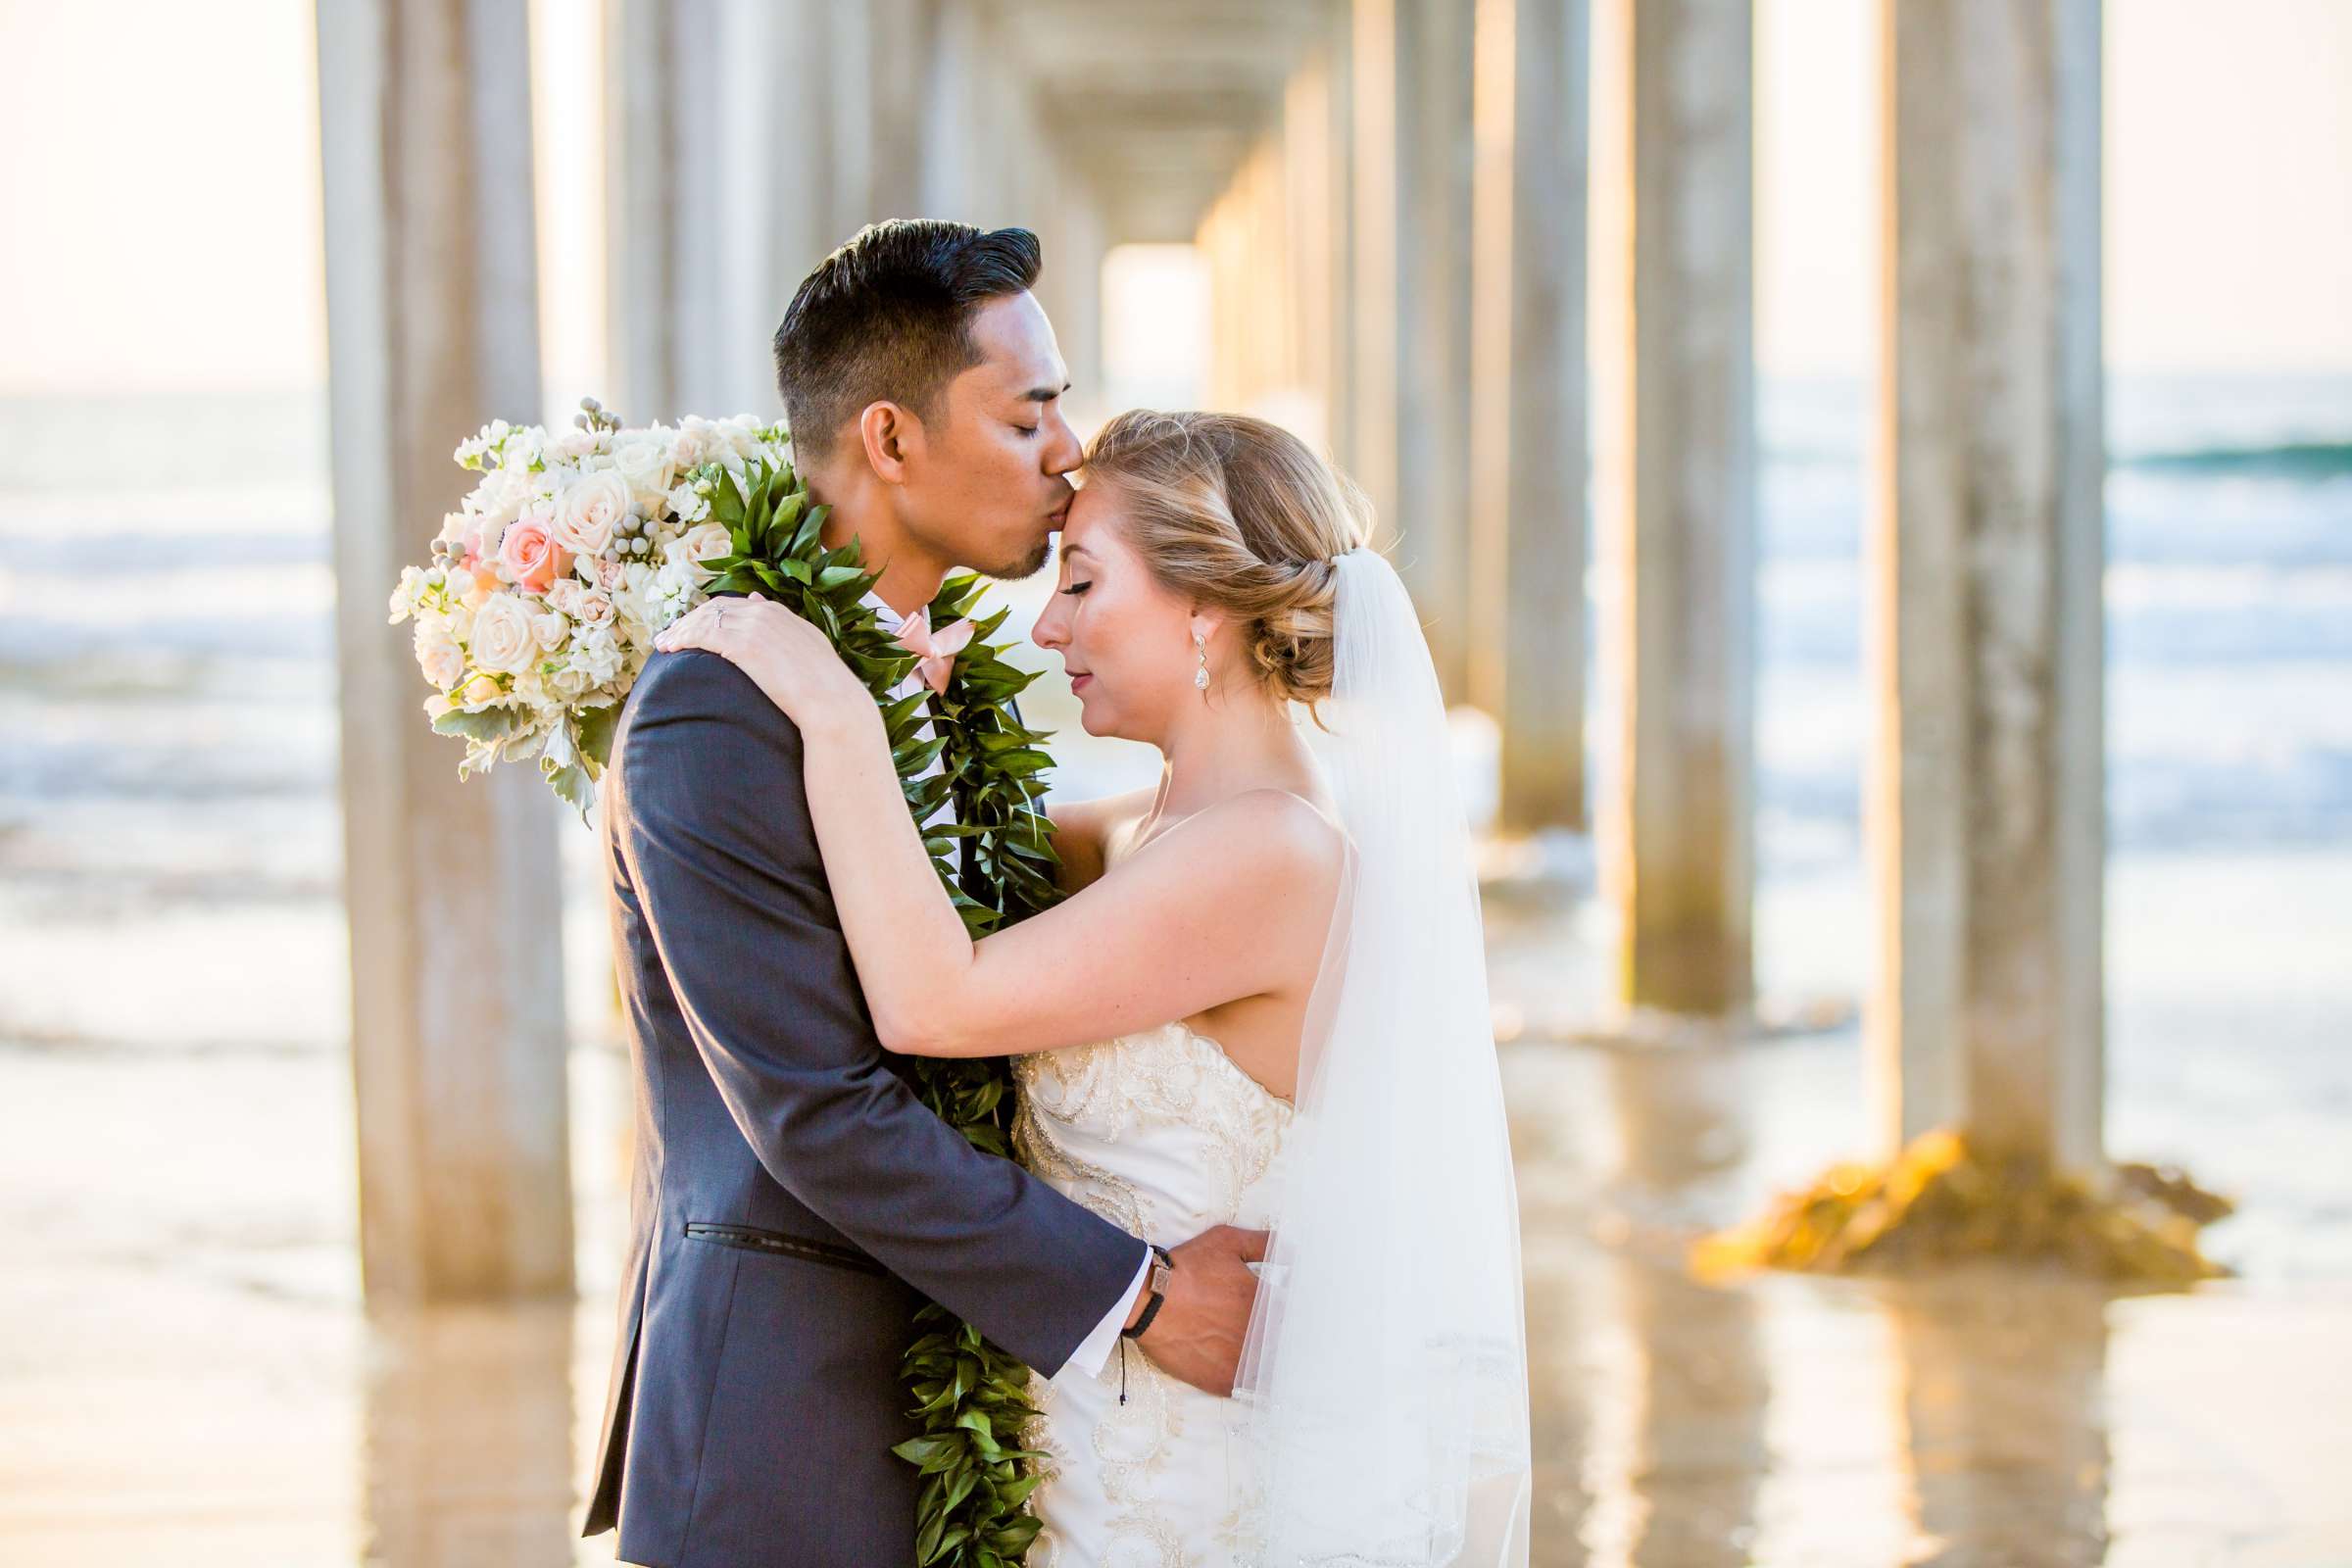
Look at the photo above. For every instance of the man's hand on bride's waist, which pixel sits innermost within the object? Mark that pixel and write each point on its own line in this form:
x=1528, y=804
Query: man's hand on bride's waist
x=1208, y=1295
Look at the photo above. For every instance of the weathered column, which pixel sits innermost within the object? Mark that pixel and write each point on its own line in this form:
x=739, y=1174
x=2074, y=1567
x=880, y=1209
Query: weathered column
x=1307, y=203
x=841, y=122
x=1678, y=851
x=965, y=166
x=1072, y=285
x=726, y=184
x=1412, y=105
x=1985, y=805
x=901, y=42
x=1244, y=238
x=1527, y=420
x=786, y=70
x=1340, y=312
x=670, y=209
x=457, y=970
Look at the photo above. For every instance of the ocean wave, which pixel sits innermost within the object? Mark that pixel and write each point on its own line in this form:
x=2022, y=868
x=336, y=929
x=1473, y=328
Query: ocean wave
x=2288, y=460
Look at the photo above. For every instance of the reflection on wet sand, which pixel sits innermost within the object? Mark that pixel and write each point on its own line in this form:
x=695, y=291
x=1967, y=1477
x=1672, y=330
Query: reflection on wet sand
x=1962, y=1420
x=2001, y=1388
x=468, y=1436
x=1674, y=1458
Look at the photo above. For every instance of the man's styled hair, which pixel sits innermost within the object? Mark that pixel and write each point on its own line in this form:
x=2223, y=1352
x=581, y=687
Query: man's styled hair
x=889, y=317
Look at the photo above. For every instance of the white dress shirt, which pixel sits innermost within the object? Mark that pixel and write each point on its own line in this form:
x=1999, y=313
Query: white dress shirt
x=1094, y=1351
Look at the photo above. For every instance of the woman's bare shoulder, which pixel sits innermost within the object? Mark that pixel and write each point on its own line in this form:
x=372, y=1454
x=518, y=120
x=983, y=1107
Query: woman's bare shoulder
x=1292, y=837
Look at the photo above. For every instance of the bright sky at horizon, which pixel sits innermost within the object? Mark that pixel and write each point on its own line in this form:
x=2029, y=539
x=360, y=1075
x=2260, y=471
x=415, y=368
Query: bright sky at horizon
x=177, y=247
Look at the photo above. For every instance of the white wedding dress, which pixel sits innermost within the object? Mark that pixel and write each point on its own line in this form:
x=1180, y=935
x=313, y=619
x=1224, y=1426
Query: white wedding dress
x=1381, y=1409
x=1162, y=1135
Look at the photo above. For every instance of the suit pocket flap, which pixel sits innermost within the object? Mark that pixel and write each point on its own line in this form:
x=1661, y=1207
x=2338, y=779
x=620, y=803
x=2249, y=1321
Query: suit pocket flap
x=752, y=1239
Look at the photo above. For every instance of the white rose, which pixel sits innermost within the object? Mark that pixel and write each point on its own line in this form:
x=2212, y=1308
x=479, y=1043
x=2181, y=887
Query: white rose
x=568, y=683
x=644, y=465
x=596, y=609
x=588, y=513
x=503, y=642
x=438, y=654
x=562, y=596
x=551, y=629
x=706, y=541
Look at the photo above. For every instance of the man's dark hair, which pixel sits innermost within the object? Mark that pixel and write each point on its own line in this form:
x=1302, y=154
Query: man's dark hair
x=888, y=315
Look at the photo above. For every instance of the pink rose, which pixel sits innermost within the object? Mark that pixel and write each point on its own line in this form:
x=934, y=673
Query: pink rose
x=530, y=555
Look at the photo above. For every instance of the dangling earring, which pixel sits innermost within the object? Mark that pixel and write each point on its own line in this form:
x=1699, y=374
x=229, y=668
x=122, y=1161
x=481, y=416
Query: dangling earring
x=1201, y=675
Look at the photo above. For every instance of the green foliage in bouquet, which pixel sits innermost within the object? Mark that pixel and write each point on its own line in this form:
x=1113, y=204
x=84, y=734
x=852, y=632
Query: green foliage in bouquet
x=972, y=1398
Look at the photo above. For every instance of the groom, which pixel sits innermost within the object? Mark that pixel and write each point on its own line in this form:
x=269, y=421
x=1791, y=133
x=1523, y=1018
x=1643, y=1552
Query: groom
x=792, y=1202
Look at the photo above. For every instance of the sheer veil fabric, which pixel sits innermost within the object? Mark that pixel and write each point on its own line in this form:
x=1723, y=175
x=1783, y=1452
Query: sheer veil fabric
x=1385, y=1374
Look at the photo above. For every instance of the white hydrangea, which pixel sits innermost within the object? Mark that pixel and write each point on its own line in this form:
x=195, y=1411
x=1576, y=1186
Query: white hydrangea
x=596, y=655
x=403, y=597
x=672, y=591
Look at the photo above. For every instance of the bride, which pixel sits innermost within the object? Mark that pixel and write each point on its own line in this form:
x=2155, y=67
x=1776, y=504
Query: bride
x=1263, y=1003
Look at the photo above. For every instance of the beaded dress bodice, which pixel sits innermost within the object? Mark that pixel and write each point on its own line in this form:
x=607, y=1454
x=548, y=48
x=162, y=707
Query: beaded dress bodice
x=1162, y=1134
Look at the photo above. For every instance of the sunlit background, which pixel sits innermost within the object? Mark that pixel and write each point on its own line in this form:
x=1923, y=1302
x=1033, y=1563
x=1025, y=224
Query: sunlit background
x=186, y=1373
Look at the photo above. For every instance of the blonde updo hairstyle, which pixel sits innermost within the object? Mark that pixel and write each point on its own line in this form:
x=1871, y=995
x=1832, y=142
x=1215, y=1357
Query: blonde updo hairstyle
x=1240, y=515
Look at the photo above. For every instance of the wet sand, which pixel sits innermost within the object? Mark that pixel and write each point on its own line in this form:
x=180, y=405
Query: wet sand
x=190, y=1376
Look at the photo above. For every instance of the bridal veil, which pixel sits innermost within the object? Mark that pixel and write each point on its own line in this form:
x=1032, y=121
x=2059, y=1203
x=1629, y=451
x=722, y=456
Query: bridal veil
x=1384, y=1375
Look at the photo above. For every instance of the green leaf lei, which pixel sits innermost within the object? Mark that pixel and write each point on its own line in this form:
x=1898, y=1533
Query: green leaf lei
x=971, y=1397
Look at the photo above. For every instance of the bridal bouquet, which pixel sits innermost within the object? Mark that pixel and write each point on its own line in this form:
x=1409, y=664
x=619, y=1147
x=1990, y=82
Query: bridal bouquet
x=548, y=583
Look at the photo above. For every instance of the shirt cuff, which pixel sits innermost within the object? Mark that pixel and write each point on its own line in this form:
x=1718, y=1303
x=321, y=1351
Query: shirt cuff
x=1094, y=1351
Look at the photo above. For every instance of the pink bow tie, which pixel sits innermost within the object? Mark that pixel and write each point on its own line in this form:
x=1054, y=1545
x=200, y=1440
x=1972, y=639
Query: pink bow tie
x=935, y=651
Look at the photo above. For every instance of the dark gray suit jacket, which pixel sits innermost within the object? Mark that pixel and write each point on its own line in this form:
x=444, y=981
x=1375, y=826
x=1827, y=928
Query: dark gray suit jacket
x=792, y=1201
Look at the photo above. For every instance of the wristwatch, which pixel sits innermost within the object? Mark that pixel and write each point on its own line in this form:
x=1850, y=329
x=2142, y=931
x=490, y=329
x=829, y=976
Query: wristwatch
x=1155, y=1290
